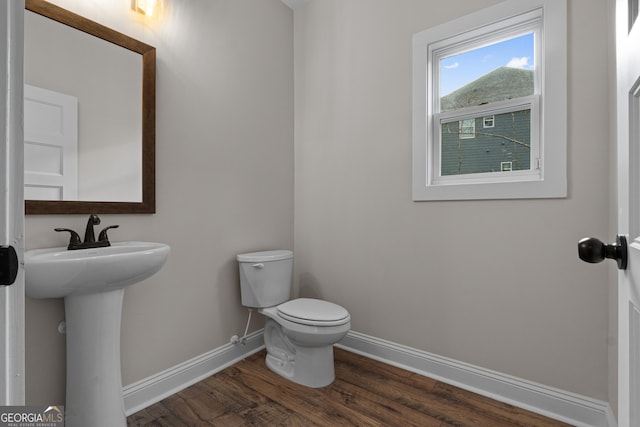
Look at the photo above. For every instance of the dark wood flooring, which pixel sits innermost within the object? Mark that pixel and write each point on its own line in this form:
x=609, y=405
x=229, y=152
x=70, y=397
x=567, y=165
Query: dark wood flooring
x=365, y=393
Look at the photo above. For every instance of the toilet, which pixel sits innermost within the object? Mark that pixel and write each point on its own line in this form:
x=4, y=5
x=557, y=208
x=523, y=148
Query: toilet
x=299, y=334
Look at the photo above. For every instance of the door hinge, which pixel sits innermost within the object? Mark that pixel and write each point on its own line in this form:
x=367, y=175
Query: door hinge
x=8, y=265
x=539, y=163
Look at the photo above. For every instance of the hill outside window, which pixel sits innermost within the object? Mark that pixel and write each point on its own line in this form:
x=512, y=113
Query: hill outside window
x=490, y=104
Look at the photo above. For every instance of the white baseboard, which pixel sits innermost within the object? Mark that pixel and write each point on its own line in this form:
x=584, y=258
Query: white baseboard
x=561, y=405
x=571, y=408
x=153, y=389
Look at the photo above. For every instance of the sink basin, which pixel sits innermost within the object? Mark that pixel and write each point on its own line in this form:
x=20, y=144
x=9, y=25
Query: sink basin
x=58, y=272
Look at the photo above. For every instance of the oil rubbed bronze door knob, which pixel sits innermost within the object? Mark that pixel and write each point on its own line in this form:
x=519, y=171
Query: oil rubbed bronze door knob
x=593, y=250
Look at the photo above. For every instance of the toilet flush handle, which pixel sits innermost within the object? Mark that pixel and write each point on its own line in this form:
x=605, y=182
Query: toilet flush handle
x=258, y=265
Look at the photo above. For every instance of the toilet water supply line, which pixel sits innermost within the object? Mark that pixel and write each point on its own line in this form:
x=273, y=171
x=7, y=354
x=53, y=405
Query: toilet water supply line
x=243, y=340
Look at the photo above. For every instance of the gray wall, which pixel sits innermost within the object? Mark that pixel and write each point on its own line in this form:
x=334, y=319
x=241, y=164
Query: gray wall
x=493, y=283
x=224, y=183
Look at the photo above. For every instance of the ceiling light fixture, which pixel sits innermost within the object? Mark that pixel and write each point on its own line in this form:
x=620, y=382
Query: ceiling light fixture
x=147, y=8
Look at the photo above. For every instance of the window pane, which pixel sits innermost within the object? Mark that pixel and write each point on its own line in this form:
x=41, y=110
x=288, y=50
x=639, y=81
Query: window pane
x=487, y=122
x=488, y=74
x=508, y=142
x=467, y=128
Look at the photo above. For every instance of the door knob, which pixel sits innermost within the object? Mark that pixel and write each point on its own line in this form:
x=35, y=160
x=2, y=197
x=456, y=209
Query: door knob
x=593, y=250
x=8, y=265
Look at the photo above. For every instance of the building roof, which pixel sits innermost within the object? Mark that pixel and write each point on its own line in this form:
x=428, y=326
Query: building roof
x=498, y=85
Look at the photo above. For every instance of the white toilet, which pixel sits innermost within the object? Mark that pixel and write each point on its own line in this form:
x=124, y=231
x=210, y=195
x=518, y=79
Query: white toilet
x=299, y=334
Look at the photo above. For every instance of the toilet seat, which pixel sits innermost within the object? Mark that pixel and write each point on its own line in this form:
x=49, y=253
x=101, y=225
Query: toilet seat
x=313, y=312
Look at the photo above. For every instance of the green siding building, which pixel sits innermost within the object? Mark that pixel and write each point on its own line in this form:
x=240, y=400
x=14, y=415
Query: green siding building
x=496, y=143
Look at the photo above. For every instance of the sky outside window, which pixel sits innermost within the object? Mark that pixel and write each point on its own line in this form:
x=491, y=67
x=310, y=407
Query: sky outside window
x=458, y=70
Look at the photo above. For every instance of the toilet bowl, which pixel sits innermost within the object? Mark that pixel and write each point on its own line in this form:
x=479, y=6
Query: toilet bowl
x=302, y=350
x=299, y=334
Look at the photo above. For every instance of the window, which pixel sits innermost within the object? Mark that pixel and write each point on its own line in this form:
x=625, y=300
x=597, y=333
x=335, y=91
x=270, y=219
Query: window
x=487, y=122
x=490, y=104
x=467, y=128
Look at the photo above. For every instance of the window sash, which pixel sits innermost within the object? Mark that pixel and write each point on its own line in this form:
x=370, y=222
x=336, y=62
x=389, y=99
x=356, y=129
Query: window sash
x=478, y=39
x=488, y=122
x=467, y=128
x=530, y=22
x=531, y=103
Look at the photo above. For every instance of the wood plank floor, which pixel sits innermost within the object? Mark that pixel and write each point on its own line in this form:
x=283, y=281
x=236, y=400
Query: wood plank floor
x=365, y=393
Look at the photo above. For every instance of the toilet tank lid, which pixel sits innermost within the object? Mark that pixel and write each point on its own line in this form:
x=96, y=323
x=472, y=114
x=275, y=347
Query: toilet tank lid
x=265, y=256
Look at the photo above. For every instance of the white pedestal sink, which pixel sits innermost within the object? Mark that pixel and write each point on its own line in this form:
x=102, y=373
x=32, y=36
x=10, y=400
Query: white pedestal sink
x=92, y=283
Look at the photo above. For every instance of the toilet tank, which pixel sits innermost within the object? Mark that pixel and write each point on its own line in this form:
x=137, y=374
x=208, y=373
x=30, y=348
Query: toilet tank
x=265, y=277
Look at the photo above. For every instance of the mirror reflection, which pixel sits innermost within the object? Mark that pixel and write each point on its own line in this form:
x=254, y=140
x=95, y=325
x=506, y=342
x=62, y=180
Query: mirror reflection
x=83, y=103
x=89, y=116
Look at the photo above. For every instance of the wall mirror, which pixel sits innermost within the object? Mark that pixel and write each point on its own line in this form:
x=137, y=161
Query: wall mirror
x=89, y=116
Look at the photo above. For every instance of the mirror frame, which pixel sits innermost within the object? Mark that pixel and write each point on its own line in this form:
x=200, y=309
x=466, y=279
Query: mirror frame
x=148, y=53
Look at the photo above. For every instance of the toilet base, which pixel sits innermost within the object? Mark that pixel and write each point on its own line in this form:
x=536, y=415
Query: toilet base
x=308, y=370
x=308, y=366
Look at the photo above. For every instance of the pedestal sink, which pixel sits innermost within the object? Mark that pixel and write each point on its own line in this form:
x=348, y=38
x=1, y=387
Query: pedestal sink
x=92, y=283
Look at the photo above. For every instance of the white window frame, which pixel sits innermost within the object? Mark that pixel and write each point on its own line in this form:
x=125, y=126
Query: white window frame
x=547, y=176
x=488, y=122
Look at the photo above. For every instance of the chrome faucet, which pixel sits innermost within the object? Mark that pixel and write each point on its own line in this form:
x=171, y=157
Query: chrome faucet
x=89, y=235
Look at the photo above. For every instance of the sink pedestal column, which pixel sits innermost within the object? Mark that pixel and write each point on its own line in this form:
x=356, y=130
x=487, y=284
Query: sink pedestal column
x=94, y=382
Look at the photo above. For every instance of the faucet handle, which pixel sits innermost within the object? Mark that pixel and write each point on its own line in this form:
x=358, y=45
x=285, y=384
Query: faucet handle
x=75, y=238
x=103, y=234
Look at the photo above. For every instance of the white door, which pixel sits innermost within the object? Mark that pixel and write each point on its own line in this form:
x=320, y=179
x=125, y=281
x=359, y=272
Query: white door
x=50, y=145
x=628, y=146
x=11, y=200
